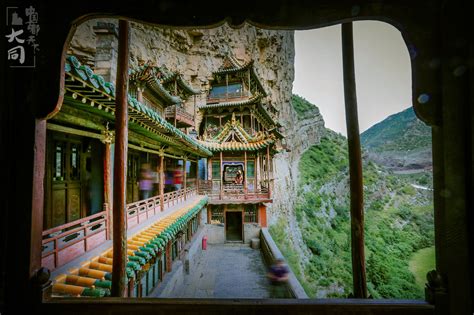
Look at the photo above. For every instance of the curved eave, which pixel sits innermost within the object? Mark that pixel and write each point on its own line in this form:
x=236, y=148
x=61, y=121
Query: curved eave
x=154, y=85
x=250, y=101
x=237, y=146
x=89, y=89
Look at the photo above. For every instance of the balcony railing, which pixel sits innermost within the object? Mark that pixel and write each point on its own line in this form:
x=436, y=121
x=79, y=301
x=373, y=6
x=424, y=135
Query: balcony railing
x=212, y=188
x=140, y=211
x=182, y=117
x=231, y=97
x=64, y=243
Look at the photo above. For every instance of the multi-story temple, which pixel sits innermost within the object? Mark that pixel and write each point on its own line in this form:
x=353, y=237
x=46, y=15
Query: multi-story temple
x=238, y=134
x=239, y=126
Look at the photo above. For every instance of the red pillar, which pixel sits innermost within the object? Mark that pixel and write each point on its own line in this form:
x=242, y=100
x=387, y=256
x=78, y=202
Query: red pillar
x=262, y=215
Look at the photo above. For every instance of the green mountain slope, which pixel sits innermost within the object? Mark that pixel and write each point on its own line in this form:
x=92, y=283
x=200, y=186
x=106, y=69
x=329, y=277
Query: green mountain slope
x=398, y=221
x=399, y=142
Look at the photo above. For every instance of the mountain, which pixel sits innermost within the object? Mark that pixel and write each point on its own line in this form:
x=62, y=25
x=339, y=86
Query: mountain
x=315, y=235
x=400, y=142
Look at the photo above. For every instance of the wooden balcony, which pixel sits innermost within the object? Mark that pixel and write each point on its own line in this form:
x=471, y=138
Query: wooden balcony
x=222, y=98
x=179, y=117
x=233, y=193
x=67, y=242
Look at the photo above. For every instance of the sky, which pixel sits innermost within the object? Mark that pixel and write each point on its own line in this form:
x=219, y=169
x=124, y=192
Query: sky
x=382, y=66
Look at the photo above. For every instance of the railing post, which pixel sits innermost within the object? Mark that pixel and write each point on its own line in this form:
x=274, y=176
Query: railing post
x=355, y=164
x=120, y=165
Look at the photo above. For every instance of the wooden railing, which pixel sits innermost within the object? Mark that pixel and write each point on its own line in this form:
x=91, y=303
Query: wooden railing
x=212, y=188
x=63, y=243
x=140, y=211
x=219, y=98
x=180, y=114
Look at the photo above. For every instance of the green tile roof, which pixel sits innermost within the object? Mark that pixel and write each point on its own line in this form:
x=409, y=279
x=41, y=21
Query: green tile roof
x=104, y=94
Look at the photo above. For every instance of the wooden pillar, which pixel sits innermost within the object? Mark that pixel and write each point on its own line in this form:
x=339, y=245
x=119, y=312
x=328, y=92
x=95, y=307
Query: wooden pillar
x=355, y=165
x=262, y=215
x=169, y=259
x=107, y=192
x=221, y=171
x=185, y=161
x=39, y=158
x=268, y=172
x=245, y=174
x=120, y=165
x=162, y=182
x=257, y=171
x=248, y=78
x=197, y=175
x=195, y=114
x=252, y=125
x=227, y=86
x=208, y=214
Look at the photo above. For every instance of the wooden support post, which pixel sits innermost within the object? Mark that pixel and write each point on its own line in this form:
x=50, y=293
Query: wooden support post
x=355, y=164
x=268, y=173
x=226, y=86
x=195, y=114
x=248, y=78
x=208, y=214
x=119, y=285
x=162, y=182
x=39, y=157
x=245, y=174
x=197, y=175
x=221, y=175
x=185, y=161
x=107, y=192
x=169, y=259
x=257, y=172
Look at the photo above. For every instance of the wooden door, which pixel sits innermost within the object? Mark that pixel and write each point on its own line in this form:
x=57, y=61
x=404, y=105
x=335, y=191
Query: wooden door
x=64, y=181
x=133, y=171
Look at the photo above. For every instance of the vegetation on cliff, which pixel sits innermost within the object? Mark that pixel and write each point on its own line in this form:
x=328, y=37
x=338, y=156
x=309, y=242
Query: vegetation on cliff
x=398, y=225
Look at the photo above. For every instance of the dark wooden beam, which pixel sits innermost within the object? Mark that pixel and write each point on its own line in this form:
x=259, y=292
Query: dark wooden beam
x=120, y=165
x=39, y=158
x=355, y=164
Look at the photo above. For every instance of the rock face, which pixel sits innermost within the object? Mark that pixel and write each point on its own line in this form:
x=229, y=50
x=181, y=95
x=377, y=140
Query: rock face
x=196, y=53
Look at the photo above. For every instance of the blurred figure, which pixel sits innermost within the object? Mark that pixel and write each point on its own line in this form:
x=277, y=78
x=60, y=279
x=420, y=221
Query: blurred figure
x=178, y=178
x=146, y=181
x=278, y=276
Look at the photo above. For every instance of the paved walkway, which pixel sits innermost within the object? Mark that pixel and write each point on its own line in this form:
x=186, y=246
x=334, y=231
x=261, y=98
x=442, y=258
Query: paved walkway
x=226, y=271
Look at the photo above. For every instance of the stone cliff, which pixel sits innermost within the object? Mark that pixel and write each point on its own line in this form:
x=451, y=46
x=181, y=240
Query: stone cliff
x=196, y=53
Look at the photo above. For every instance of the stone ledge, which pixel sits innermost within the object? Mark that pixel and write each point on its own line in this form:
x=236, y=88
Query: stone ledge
x=271, y=251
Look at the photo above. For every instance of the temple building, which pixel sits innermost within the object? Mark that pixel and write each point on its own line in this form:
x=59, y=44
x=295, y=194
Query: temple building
x=174, y=173
x=239, y=126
